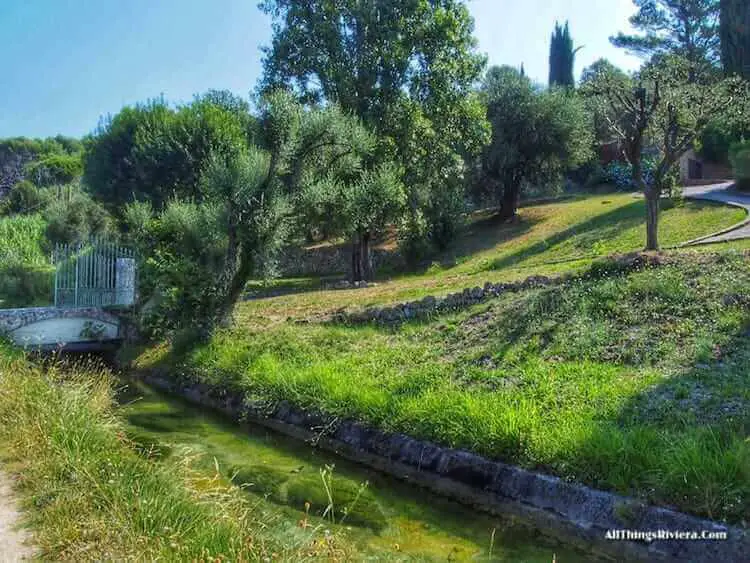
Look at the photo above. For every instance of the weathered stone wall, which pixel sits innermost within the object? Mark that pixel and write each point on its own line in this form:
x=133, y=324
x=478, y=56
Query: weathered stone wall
x=430, y=305
x=330, y=260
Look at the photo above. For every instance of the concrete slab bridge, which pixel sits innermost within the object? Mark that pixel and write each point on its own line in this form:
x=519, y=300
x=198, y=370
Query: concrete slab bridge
x=94, y=292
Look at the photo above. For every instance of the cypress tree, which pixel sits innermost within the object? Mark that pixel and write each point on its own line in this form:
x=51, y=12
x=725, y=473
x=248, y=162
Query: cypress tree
x=561, y=57
x=734, y=30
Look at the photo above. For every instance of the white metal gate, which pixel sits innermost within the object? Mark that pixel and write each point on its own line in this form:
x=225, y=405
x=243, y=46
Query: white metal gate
x=96, y=274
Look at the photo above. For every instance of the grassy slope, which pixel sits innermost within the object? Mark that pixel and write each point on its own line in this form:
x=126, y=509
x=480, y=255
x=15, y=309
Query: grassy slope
x=89, y=496
x=635, y=383
x=545, y=239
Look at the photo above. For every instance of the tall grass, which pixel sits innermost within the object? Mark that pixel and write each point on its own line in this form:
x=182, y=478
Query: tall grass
x=88, y=495
x=25, y=271
x=22, y=240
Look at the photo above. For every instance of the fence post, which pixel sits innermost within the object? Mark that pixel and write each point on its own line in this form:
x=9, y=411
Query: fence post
x=54, y=263
x=75, y=299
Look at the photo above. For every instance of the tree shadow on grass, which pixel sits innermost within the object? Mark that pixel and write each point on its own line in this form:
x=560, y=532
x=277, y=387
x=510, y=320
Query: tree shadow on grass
x=486, y=231
x=683, y=442
x=600, y=227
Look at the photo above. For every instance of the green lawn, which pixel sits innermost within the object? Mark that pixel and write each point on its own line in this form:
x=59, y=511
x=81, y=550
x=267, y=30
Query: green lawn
x=544, y=239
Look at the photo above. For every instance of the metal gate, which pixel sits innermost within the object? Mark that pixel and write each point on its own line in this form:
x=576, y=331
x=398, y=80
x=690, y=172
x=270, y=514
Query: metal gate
x=94, y=274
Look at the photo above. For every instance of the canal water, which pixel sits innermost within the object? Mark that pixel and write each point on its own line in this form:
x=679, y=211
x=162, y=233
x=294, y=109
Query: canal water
x=381, y=517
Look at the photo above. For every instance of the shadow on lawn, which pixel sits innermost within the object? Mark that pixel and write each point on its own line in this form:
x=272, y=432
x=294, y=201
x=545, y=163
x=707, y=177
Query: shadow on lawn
x=483, y=233
x=683, y=442
x=600, y=227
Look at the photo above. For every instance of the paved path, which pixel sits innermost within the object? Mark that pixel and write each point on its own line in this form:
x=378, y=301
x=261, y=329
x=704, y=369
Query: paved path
x=722, y=193
x=13, y=540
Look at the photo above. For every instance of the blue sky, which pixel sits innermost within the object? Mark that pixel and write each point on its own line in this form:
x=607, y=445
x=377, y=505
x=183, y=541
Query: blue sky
x=66, y=64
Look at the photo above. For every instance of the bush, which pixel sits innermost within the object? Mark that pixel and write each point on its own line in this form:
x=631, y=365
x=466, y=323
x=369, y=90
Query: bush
x=55, y=169
x=620, y=175
x=185, y=245
x=739, y=156
x=414, y=237
x=77, y=219
x=25, y=198
x=22, y=285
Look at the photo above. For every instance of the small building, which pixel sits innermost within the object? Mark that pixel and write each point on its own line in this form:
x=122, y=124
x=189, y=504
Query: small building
x=696, y=170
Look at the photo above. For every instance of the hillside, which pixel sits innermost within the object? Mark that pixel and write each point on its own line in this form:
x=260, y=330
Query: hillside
x=629, y=374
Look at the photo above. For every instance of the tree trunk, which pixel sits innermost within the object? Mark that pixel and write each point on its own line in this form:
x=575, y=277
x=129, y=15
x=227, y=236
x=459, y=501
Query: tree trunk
x=356, y=273
x=652, y=220
x=233, y=288
x=509, y=203
x=361, y=258
x=366, y=257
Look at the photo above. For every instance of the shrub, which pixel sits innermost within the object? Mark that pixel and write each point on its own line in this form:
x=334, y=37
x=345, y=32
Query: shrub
x=185, y=245
x=739, y=156
x=55, y=169
x=25, y=198
x=76, y=219
x=620, y=175
x=22, y=285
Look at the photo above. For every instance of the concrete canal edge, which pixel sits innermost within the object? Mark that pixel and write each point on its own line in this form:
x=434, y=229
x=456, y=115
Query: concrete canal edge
x=574, y=514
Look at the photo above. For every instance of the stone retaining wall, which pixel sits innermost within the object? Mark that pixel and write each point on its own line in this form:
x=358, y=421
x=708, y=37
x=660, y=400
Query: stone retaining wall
x=575, y=514
x=430, y=305
x=331, y=260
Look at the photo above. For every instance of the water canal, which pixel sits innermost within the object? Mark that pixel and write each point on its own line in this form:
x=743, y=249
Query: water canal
x=381, y=517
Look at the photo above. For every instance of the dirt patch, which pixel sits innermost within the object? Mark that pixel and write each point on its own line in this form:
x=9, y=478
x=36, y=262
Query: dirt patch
x=14, y=541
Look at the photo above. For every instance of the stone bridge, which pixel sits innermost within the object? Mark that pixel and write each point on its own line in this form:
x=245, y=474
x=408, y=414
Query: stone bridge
x=62, y=328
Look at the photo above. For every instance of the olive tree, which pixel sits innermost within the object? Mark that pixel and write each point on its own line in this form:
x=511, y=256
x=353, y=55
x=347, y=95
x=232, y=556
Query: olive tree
x=536, y=136
x=407, y=69
x=663, y=107
x=244, y=212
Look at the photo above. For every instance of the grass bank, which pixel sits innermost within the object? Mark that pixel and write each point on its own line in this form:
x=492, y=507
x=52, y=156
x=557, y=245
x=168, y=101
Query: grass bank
x=547, y=238
x=89, y=495
x=637, y=383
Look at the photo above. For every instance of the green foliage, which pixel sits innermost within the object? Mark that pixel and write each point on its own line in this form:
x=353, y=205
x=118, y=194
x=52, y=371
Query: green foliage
x=688, y=28
x=16, y=154
x=410, y=82
x=593, y=79
x=342, y=194
x=734, y=28
x=55, y=169
x=154, y=153
x=76, y=219
x=561, y=57
x=25, y=272
x=718, y=136
x=536, y=136
x=184, y=248
x=25, y=198
x=739, y=156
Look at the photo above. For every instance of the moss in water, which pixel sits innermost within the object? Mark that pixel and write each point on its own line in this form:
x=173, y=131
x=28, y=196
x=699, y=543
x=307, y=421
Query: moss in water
x=351, y=503
x=147, y=446
x=260, y=479
x=390, y=521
